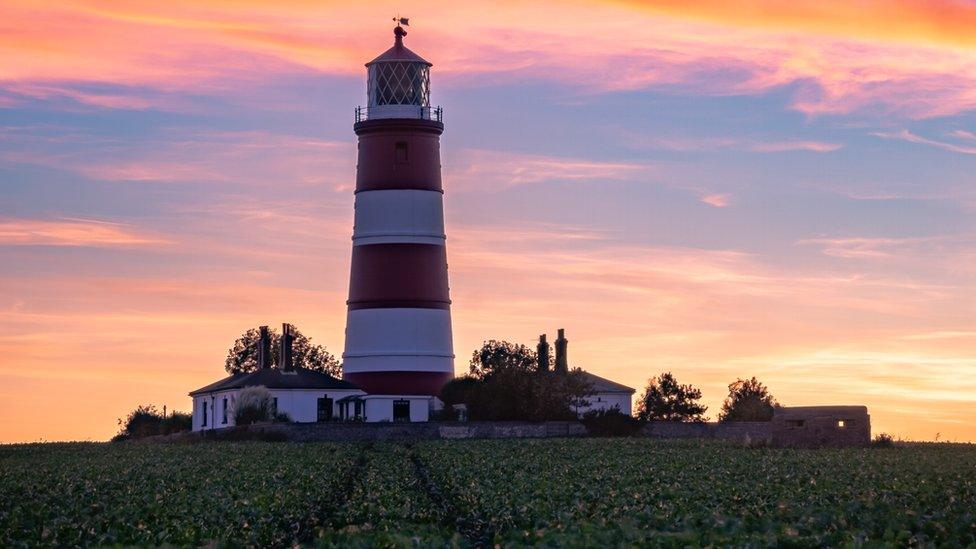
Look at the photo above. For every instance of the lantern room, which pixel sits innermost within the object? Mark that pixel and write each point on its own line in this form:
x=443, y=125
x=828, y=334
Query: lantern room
x=398, y=85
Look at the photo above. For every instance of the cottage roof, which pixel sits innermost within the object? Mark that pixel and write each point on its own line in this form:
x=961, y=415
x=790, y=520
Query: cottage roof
x=603, y=385
x=274, y=378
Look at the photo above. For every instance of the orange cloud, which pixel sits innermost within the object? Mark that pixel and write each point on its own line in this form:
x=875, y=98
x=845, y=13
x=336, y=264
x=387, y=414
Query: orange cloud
x=941, y=22
x=908, y=58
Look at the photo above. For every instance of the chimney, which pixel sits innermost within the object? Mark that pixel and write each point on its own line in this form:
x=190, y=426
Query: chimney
x=264, y=349
x=542, y=352
x=561, y=342
x=284, y=351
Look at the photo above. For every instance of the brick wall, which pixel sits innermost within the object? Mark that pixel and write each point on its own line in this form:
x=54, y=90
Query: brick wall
x=739, y=431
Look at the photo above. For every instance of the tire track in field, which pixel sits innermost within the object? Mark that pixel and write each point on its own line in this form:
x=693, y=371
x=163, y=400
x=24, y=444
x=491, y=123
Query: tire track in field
x=475, y=528
x=326, y=512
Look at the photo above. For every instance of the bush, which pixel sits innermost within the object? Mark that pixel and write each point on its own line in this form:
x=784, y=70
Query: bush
x=883, y=440
x=147, y=421
x=610, y=423
x=253, y=406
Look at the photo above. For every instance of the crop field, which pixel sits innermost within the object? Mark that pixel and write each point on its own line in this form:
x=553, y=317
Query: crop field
x=485, y=492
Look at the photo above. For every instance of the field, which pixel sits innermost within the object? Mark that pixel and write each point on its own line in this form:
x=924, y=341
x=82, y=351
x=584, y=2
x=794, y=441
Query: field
x=476, y=493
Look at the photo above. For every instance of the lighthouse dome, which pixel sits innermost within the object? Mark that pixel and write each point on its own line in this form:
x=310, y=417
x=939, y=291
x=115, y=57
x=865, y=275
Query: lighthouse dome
x=398, y=84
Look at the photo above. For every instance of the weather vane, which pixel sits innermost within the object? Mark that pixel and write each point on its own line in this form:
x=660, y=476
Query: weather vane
x=405, y=21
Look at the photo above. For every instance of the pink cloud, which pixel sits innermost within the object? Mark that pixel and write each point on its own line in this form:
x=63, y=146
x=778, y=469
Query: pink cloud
x=716, y=200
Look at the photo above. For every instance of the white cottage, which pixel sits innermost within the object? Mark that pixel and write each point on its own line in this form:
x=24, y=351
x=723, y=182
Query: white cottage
x=306, y=396
x=607, y=395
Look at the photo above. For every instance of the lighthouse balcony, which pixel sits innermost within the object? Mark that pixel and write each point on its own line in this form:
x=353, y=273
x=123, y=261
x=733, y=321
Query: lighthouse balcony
x=416, y=112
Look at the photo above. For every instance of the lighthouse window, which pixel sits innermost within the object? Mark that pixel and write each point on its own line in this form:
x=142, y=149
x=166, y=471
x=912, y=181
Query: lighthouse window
x=401, y=152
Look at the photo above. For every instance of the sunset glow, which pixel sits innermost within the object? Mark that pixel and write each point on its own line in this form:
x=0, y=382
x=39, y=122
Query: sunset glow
x=732, y=189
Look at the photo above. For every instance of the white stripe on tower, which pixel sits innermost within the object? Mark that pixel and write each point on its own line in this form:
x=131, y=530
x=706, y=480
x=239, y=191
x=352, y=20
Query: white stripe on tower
x=399, y=339
x=392, y=216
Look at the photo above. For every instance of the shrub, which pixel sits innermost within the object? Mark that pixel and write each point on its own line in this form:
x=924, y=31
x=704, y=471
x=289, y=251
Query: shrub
x=610, y=423
x=147, y=421
x=253, y=405
x=883, y=440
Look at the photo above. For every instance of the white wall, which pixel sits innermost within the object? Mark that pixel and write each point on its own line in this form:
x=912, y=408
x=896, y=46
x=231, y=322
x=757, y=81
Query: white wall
x=380, y=407
x=606, y=401
x=214, y=403
x=301, y=405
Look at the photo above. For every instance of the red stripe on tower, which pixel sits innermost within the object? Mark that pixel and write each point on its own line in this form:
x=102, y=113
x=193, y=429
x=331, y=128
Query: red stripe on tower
x=398, y=328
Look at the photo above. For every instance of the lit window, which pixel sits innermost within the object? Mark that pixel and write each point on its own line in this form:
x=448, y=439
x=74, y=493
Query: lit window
x=841, y=423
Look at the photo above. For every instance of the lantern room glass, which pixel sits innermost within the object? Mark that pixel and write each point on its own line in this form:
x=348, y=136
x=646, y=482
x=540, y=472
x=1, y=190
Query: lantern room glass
x=399, y=83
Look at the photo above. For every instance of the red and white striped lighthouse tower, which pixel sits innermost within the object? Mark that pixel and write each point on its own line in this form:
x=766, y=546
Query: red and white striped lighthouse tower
x=398, y=329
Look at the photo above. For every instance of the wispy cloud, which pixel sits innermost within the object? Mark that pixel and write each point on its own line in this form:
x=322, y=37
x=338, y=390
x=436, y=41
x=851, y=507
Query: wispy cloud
x=711, y=143
x=73, y=233
x=862, y=247
x=478, y=169
x=905, y=135
x=256, y=158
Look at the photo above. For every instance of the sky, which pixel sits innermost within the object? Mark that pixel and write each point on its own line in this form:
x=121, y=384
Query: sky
x=783, y=190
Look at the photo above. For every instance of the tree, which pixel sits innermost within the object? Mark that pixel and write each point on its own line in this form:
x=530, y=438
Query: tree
x=502, y=356
x=667, y=400
x=748, y=400
x=243, y=356
x=505, y=384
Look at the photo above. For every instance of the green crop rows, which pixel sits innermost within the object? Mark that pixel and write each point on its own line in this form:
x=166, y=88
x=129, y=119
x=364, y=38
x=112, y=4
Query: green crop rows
x=465, y=493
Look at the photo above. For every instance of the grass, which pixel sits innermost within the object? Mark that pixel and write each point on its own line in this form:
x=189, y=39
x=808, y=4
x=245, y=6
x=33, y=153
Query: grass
x=485, y=492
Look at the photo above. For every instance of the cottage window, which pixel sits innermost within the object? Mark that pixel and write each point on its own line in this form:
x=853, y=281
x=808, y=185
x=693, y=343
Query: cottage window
x=223, y=411
x=274, y=406
x=204, y=422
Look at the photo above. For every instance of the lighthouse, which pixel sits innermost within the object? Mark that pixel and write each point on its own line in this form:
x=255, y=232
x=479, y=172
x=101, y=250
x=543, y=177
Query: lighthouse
x=398, y=325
